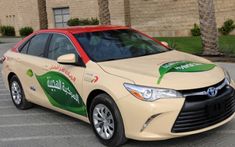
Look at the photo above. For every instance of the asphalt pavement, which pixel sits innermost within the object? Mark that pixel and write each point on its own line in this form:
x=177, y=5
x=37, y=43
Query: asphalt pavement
x=40, y=127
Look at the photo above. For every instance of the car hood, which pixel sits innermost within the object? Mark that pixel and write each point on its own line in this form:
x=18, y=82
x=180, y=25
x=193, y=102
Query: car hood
x=172, y=69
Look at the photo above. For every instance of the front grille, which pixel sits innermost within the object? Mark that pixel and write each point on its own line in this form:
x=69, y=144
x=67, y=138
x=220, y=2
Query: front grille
x=201, y=111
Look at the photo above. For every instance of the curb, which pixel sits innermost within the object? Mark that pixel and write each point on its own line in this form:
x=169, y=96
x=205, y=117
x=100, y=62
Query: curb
x=221, y=59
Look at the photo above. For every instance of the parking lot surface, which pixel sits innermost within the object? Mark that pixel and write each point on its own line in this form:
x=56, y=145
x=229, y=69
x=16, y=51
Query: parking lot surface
x=40, y=127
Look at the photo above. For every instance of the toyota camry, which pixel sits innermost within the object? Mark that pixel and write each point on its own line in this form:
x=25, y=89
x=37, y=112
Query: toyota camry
x=123, y=82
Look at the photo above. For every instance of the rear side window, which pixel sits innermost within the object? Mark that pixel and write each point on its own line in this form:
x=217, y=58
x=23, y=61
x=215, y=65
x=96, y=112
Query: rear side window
x=37, y=45
x=25, y=48
x=60, y=45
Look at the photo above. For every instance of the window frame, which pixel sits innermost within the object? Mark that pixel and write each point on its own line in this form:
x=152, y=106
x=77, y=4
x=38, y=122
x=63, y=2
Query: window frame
x=21, y=47
x=48, y=48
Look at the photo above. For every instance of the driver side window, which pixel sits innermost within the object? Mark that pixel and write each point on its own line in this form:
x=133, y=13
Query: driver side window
x=60, y=45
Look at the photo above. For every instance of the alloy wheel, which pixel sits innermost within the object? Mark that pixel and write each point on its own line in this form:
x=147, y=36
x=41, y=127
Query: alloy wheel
x=16, y=92
x=103, y=121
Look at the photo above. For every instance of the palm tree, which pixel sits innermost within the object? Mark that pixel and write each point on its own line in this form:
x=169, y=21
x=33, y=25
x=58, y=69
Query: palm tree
x=209, y=33
x=42, y=9
x=104, y=13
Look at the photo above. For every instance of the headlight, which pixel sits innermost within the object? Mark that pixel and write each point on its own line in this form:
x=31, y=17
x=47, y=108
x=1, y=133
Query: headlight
x=227, y=76
x=151, y=94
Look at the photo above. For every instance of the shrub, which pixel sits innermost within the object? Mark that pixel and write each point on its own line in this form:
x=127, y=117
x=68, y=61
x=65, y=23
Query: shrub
x=227, y=49
x=73, y=22
x=94, y=21
x=82, y=22
x=195, y=31
x=228, y=27
x=25, y=31
x=7, y=30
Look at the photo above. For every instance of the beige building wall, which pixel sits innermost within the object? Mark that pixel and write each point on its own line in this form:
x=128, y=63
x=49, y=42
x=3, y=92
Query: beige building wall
x=154, y=17
x=54, y=4
x=77, y=8
x=164, y=17
x=19, y=13
x=174, y=17
x=225, y=9
x=86, y=9
x=116, y=8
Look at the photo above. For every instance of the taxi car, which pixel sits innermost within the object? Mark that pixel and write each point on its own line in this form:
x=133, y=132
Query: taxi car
x=123, y=82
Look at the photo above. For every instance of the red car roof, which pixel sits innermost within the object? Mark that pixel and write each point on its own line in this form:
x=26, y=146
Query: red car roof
x=81, y=29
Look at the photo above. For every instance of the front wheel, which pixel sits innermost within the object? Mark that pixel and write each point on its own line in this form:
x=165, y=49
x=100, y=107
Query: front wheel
x=106, y=121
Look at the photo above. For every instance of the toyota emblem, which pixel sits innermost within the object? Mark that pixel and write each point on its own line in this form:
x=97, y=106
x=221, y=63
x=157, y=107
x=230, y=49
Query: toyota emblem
x=212, y=92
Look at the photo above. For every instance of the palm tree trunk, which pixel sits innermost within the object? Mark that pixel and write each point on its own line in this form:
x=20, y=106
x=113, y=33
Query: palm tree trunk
x=104, y=13
x=42, y=9
x=209, y=33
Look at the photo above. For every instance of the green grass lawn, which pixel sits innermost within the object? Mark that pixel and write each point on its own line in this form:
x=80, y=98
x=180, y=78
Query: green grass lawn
x=193, y=44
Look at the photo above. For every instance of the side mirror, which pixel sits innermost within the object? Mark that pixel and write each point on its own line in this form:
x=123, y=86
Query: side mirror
x=165, y=43
x=71, y=59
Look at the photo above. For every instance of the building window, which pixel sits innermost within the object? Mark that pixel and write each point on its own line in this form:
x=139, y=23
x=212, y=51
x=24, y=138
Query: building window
x=61, y=16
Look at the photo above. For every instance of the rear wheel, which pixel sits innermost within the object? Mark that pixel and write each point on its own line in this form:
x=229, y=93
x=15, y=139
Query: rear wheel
x=17, y=94
x=106, y=121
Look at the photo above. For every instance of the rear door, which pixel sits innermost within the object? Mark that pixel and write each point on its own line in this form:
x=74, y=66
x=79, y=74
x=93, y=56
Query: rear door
x=30, y=63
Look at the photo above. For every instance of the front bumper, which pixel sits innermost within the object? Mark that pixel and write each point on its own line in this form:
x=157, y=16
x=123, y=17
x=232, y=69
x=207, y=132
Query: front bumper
x=156, y=120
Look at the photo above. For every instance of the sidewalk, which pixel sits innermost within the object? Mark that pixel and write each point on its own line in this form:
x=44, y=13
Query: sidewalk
x=10, y=39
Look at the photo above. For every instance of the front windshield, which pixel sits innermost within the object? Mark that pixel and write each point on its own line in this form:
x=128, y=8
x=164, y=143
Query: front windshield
x=117, y=44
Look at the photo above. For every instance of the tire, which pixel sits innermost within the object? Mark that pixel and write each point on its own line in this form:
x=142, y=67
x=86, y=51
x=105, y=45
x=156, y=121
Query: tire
x=17, y=94
x=103, y=105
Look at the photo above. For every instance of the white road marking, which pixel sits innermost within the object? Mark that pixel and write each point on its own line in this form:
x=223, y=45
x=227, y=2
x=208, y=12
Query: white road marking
x=6, y=107
x=37, y=124
x=44, y=137
x=226, y=132
x=4, y=94
x=4, y=91
x=4, y=100
x=24, y=114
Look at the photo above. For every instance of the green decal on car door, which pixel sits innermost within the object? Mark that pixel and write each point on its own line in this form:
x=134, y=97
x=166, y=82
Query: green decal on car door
x=30, y=73
x=61, y=92
x=183, y=66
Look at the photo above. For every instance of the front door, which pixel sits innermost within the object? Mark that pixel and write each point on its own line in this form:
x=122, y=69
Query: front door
x=62, y=83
